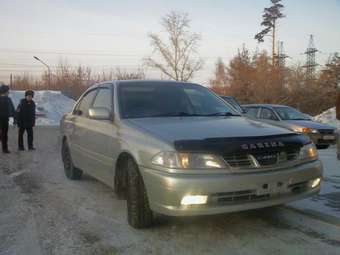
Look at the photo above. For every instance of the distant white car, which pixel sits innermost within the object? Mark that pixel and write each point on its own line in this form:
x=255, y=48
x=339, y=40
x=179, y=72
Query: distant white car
x=40, y=112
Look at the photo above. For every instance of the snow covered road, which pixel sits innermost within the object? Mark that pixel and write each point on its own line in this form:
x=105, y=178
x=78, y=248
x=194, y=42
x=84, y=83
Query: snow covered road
x=327, y=203
x=41, y=212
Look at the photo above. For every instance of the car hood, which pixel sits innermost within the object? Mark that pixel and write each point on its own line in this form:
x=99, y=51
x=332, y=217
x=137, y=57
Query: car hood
x=308, y=124
x=198, y=128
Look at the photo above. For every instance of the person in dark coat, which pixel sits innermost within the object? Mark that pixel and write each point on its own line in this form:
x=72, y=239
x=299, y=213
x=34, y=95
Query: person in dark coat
x=6, y=111
x=26, y=120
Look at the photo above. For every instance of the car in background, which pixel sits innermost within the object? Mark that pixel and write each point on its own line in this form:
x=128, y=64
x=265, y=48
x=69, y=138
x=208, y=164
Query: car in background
x=234, y=103
x=40, y=112
x=284, y=116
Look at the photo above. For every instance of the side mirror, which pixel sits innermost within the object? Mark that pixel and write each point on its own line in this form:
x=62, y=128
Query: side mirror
x=99, y=113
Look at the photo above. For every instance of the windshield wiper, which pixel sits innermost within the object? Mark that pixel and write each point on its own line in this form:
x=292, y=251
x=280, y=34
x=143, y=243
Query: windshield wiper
x=176, y=114
x=222, y=114
x=299, y=119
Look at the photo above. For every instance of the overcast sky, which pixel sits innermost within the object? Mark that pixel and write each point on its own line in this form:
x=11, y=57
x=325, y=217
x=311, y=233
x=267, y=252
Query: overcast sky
x=106, y=34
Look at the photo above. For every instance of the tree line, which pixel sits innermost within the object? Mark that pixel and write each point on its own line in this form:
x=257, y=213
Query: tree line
x=251, y=77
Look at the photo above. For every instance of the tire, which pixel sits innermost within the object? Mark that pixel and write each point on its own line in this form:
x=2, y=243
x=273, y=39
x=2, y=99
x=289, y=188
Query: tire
x=71, y=171
x=138, y=210
x=322, y=147
x=120, y=186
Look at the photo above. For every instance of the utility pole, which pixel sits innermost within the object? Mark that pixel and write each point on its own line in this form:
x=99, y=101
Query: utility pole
x=281, y=55
x=310, y=59
x=48, y=68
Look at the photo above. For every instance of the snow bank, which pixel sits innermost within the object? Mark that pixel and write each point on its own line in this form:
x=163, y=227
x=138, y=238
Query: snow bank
x=328, y=117
x=54, y=103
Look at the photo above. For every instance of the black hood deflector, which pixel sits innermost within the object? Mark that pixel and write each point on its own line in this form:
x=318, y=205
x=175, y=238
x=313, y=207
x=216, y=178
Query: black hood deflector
x=240, y=145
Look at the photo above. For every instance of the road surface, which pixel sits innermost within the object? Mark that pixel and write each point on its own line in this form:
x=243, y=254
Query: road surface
x=41, y=212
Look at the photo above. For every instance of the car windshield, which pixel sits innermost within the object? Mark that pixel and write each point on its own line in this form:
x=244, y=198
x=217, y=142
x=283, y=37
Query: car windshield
x=165, y=99
x=288, y=113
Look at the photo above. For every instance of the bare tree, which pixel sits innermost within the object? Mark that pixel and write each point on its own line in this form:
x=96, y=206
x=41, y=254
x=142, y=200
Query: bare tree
x=270, y=17
x=125, y=75
x=175, y=56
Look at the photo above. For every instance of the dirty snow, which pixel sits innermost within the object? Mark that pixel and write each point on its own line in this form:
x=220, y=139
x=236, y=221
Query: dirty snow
x=328, y=117
x=54, y=103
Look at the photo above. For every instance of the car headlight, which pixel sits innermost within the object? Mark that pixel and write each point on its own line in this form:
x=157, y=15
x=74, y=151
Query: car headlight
x=305, y=130
x=308, y=152
x=188, y=160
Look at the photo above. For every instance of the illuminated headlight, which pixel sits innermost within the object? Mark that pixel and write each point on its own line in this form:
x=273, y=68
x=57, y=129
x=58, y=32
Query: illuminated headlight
x=314, y=183
x=308, y=152
x=304, y=130
x=194, y=200
x=188, y=160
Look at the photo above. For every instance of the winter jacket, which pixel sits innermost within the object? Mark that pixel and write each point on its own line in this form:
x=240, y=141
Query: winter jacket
x=6, y=108
x=26, y=114
x=338, y=105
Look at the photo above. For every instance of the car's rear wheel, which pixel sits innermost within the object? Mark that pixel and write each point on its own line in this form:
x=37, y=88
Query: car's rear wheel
x=322, y=147
x=138, y=210
x=71, y=171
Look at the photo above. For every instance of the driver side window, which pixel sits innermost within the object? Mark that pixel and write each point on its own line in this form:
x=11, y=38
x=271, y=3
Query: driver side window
x=103, y=99
x=267, y=114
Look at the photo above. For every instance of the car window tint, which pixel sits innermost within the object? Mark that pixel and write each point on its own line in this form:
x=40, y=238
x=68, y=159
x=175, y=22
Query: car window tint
x=267, y=114
x=103, y=99
x=85, y=103
x=143, y=100
x=252, y=112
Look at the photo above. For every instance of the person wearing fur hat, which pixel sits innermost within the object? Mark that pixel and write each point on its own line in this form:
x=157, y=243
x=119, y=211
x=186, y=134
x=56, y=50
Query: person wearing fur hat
x=26, y=120
x=6, y=111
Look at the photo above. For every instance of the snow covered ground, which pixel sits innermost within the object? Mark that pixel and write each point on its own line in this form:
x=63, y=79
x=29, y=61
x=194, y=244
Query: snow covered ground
x=54, y=103
x=328, y=117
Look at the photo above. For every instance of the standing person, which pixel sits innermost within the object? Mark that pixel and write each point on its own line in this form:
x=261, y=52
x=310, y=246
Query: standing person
x=338, y=101
x=338, y=116
x=6, y=111
x=26, y=120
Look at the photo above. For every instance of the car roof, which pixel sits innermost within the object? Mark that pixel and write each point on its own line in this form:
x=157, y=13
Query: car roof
x=122, y=82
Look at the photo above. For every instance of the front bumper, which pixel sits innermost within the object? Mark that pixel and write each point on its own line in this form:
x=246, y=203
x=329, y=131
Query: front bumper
x=319, y=139
x=229, y=192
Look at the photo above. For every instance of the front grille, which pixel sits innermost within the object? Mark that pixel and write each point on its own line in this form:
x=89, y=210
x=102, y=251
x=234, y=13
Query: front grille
x=238, y=197
x=239, y=161
x=260, y=159
x=326, y=131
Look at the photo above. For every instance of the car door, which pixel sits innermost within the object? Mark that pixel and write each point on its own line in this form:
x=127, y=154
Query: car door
x=100, y=143
x=269, y=116
x=79, y=130
x=252, y=112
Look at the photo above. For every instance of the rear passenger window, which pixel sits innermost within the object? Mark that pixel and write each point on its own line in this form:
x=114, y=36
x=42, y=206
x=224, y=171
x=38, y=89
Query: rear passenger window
x=103, y=99
x=252, y=112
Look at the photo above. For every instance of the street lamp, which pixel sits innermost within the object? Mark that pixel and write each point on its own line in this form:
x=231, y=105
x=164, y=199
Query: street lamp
x=48, y=68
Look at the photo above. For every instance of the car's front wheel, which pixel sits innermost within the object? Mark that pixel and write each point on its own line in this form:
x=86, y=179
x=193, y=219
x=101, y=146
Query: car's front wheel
x=138, y=210
x=71, y=171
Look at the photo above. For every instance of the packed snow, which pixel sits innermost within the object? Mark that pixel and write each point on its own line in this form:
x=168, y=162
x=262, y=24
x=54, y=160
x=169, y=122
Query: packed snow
x=328, y=117
x=52, y=103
